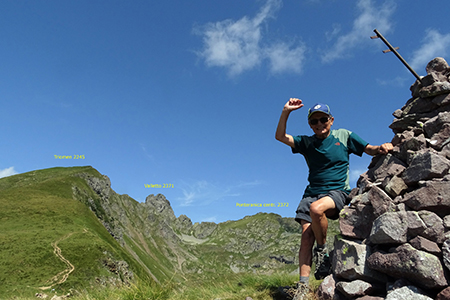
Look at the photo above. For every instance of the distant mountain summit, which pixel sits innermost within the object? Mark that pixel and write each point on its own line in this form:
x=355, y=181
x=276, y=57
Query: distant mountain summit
x=66, y=228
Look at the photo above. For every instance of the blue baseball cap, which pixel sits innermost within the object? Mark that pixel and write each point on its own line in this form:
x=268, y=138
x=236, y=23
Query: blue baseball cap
x=319, y=107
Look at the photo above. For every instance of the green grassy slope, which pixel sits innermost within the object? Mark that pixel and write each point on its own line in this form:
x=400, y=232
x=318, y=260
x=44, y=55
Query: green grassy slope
x=37, y=211
x=52, y=236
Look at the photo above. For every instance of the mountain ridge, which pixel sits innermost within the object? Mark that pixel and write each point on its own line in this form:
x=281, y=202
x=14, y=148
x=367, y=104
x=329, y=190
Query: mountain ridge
x=113, y=239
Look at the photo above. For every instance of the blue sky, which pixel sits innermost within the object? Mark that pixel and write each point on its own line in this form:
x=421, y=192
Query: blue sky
x=189, y=93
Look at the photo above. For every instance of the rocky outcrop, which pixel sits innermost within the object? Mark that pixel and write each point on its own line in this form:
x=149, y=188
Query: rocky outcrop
x=158, y=240
x=395, y=234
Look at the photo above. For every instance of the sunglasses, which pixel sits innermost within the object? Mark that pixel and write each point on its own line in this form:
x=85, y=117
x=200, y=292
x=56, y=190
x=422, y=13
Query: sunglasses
x=322, y=120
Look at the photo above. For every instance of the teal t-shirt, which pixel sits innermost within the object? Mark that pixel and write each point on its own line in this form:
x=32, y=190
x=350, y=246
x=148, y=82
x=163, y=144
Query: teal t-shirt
x=328, y=160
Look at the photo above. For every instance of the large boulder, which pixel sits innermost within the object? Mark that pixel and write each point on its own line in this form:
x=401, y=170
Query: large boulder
x=350, y=261
x=421, y=268
x=432, y=196
x=407, y=293
x=426, y=165
x=327, y=289
x=356, y=221
x=389, y=228
x=354, y=288
x=389, y=165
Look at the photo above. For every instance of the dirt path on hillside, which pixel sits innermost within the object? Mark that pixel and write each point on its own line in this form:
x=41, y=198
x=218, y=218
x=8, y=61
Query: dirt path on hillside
x=63, y=275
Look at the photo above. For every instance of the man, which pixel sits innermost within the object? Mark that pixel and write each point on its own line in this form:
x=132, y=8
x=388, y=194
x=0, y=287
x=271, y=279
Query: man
x=327, y=156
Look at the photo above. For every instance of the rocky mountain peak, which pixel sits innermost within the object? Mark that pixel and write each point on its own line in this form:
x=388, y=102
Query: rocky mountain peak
x=160, y=205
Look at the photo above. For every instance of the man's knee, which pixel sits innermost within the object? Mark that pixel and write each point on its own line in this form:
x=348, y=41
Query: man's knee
x=316, y=209
x=320, y=207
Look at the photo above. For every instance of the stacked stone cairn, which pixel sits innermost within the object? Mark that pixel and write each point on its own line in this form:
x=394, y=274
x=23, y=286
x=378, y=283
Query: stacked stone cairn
x=395, y=234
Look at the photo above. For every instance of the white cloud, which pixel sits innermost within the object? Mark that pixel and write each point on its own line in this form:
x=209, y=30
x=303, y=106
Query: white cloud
x=8, y=172
x=433, y=45
x=238, y=45
x=202, y=192
x=284, y=59
x=336, y=30
x=370, y=18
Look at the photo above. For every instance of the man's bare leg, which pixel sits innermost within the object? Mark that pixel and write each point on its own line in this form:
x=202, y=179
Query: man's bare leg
x=318, y=212
x=305, y=253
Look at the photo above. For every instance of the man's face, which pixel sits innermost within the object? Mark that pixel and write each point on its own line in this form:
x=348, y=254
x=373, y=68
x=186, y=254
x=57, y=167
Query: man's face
x=322, y=130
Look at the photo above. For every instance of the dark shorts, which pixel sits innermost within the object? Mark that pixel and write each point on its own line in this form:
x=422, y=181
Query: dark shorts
x=339, y=198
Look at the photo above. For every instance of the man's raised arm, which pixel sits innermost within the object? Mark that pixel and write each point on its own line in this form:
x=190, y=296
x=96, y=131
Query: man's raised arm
x=281, y=135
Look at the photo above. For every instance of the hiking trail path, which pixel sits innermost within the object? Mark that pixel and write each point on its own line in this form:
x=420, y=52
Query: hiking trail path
x=63, y=275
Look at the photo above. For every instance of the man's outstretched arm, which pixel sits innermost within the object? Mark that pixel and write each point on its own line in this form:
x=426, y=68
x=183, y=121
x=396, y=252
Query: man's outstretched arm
x=281, y=135
x=374, y=150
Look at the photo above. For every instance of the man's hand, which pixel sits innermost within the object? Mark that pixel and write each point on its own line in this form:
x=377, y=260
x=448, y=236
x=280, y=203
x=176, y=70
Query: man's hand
x=280, y=134
x=375, y=150
x=293, y=104
x=385, y=148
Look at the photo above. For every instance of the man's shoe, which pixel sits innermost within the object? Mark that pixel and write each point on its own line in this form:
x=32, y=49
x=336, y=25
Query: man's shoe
x=298, y=292
x=323, y=264
x=301, y=292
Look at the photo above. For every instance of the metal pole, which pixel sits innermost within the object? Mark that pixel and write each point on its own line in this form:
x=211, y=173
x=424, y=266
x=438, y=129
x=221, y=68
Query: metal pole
x=398, y=55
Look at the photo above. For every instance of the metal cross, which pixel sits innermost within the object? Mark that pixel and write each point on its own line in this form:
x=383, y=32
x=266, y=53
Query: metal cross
x=392, y=49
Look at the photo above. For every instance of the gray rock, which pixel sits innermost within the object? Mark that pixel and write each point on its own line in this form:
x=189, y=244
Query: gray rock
x=388, y=166
x=425, y=166
x=356, y=221
x=415, y=225
x=435, y=124
x=396, y=186
x=446, y=222
x=441, y=138
x=433, y=78
x=327, y=289
x=380, y=201
x=412, y=144
x=397, y=113
x=398, y=227
x=437, y=64
x=354, y=289
x=400, y=138
x=410, y=122
x=437, y=88
x=435, y=226
x=419, y=105
x=423, y=244
x=444, y=294
x=446, y=254
x=442, y=99
x=421, y=268
x=445, y=151
x=364, y=182
x=433, y=196
x=350, y=261
x=389, y=229
x=407, y=293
